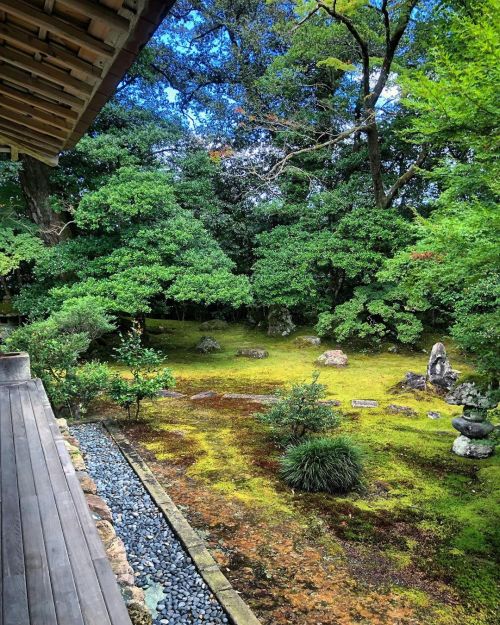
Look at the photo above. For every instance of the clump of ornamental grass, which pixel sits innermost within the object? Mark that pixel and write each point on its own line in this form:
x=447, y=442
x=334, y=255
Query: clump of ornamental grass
x=331, y=465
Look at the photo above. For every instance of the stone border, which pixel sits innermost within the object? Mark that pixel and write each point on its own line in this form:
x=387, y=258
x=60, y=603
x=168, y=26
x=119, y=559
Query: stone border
x=238, y=611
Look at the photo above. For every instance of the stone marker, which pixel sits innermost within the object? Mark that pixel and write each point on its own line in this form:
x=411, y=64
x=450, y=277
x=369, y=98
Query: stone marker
x=333, y=358
x=329, y=402
x=253, y=352
x=207, y=345
x=432, y=414
x=406, y=410
x=204, y=395
x=439, y=371
x=260, y=399
x=364, y=403
x=473, y=425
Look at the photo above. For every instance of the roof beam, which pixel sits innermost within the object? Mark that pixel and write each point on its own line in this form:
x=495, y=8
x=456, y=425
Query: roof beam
x=57, y=26
x=25, y=148
x=39, y=86
x=29, y=122
x=39, y=103
x=45, y=70
x=26, y=109
x=13, y=34
x=99, y=12
x=34, y=140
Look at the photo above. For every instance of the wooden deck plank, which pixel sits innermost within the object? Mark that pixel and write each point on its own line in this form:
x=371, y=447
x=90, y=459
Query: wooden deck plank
x=54, y=569
x=15, y=600
x=40, y=598
x=64, y=590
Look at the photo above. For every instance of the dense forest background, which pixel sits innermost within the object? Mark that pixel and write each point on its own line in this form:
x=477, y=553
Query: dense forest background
x=334, y=160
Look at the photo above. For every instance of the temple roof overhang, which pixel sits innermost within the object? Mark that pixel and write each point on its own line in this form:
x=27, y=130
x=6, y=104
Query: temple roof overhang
x=60, y=62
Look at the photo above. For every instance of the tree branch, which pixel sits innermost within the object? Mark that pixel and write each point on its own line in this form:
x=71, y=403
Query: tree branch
x=406, y=177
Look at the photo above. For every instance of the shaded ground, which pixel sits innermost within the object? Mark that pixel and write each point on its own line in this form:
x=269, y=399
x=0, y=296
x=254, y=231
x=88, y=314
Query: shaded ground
x=415, y=546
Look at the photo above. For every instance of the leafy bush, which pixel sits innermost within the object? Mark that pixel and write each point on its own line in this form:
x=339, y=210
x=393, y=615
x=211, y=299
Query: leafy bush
x=148, y=377
x=331, y=465
x=298, y=413
x=56, y=345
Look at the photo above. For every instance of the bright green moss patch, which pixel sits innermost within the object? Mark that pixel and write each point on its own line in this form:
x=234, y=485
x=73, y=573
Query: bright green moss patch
x=423, y=508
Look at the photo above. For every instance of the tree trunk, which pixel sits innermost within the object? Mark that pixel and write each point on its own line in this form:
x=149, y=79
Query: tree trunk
x=34, y=179
x=373, y=141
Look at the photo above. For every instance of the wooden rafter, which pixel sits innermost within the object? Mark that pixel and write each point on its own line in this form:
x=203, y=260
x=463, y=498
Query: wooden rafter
x=60, y=61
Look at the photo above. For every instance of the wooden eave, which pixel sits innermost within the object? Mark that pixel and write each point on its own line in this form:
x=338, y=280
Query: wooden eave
x=60, y=62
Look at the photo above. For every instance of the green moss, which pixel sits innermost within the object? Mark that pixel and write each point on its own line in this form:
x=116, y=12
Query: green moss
x=421, y=504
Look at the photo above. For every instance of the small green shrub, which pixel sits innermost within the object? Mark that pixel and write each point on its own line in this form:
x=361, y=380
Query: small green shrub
x=331, y=465
x=298, y=413
x=148, y=376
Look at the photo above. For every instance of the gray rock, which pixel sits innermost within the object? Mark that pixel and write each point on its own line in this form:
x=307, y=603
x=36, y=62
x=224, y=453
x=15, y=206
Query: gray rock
x=259, y=399
x=415, y=381
x=432, y=414
x=467, y=448
x=473, y=429
x=329, y=402
x=307, y=341
x=214, y=324
x=253, y=352
x=439, y=371
x=204, y=395
x=467, y=394
x=207, y=345
x=393, y=349
x=279, y=321
x=333, y=358
x=173, y=394
x=364, y=403
x=406, y=410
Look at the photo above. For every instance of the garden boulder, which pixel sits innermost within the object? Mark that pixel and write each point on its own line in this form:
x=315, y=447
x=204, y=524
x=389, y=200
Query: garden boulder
x=279, y=321
x=333, y=358
x=253, y=352
x=439, y=371
x=469, y=448
x=207, y=345
x=307, y=341
x=414, y=381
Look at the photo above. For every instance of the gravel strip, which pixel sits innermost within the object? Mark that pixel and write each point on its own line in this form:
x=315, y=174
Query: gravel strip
x=161, y=565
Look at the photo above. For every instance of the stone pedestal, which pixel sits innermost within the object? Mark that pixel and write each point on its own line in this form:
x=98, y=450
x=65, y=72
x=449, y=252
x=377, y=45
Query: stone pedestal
x=473, y=425
x=14, y=367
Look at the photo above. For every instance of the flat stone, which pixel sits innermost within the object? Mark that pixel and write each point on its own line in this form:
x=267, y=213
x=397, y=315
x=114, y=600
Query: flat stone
x=106, y=531
x=253, y=352
x=204, y=395
x=260, y=399
x=364, y=403
x=467, y=448
x=86, y=482
x=333, y=358
x=432, y=414
x=307, y=341
x=329, y=402
x=473, y=429
x=173, y=394
x=139, y=613
x=406, y=410
x=99, y=508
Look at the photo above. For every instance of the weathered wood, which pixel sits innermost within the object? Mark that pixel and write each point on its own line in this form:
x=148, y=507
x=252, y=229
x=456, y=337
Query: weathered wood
x=45, y=70
x=44, y=105
x=54, y=570
x=25, y=109
x=56, y=25
x=29, y=122
x=99, y=12
x=20, y=37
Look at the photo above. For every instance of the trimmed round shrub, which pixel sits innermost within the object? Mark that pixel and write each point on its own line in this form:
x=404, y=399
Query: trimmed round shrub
x=331, y=465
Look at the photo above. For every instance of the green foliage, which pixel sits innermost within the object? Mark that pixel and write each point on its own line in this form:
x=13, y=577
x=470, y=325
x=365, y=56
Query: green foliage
x=298, y=413
x=331, y=465
x=17, y=248
x=56, y=346
x=148, y=375
x=370, y=315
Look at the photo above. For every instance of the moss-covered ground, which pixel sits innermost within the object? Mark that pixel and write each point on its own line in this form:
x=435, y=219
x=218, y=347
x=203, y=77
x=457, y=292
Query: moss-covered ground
x=415, y=545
